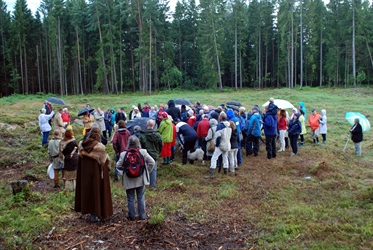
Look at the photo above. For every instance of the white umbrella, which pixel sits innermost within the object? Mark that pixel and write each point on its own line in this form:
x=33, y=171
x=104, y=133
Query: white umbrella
x=282, y=104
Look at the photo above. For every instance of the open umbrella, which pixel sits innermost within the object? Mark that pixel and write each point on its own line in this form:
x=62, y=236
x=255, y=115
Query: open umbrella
x=234, y=107
x=182, y=101
x=141, y=121
x=234, y=103
x=56, y=100
x=83, y=111
x=282, y=104
x=351, y=116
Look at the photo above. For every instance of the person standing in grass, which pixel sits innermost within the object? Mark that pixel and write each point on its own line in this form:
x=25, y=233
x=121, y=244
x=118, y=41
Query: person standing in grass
x=314, y=124
x=136, y=184
x=120, y=142
x=294, y=129
x=282, y=127
x=44, y=125
x=357, y=136
x=323, y=126
x=304, y=130
x=69, y=157
x=93, y=193
x=166, y=131
x=151, y=140
x=54, y=156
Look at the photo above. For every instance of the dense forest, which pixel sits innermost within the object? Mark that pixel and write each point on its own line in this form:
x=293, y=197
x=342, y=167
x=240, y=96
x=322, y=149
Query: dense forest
x=116, y=46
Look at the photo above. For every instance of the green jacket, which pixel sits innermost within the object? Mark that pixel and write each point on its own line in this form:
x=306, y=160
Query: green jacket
x=165, y=129
x=151, y=140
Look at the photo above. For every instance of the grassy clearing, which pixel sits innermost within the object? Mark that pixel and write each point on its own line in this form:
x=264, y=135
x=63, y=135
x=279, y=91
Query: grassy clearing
x=322, y=199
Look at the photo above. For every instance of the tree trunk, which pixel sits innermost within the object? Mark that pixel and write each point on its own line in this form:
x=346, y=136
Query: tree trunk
x=353, y=44
x=321, y=58
x=102, y=53
x=37, y=63
x=301, y=45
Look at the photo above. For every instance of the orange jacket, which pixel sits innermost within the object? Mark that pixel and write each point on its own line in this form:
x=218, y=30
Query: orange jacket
x=313, y=121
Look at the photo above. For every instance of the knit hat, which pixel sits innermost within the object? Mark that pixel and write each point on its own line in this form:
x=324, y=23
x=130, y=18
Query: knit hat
x=164, y=114
x=256, y=109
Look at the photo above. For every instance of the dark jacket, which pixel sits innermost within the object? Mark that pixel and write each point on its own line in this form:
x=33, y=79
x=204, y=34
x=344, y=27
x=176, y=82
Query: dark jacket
x=151, y=140
x=187, y=132
x=120, y=116
x=295, y=127
x=269, y=125
x=234, y=139
x=356, y=133
x=173, y=110
x=120, y=140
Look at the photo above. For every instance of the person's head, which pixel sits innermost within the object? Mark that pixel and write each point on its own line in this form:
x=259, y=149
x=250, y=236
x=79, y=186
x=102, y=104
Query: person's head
x=88, y=105
x=271, y=100
x=190, y=112
x=122, y=124
x=95, y=125
x=155, y=107
x=255, y=109
x=119, y=110
x=242, y=110
x=223, y=116
x=60, y=111
x=205, y=108
x=205, y=117
x=122, y=109
x=183, y=107
x=95, y=134
x=133, y=142
x=313, y=111
x=201, y=112
x=357, y=120
x=265, y=109
x=139, y=106
x=161, y=106
x=43, y=110
x=283, y=113
x=47, y=102
x=57, y=134
x=198, y=103
x=98, y=109
x=233, y=126
x=296, y=116
x=294, y=110
x=164, y=115
x=150, y=124
x=107, y=110
x=136, y=110
x=69, y=133
x=152, y=108
x=87, y=113
x=146, y=104
x=65, y=110
x=136, y=129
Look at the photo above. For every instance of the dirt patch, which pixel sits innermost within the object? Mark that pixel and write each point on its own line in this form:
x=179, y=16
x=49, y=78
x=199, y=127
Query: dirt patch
x=323, y=170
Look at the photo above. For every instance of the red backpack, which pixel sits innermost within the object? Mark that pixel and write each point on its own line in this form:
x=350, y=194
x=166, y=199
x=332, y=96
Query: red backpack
x=134, y=164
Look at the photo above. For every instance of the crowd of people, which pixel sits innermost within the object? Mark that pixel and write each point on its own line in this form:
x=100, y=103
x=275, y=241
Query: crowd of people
x=223, y=133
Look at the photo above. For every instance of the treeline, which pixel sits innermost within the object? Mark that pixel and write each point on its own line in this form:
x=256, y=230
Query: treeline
x=115, y=46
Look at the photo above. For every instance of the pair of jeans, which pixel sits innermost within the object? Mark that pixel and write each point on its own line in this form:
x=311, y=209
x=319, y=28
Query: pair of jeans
x=45, y=138
x=252, y=145
x=232, y=158
x=271, y=146
x=140, y=193
x=294, y=143
x=215, y=157
x=358, y=148
x=153, y=175
x=282, y=139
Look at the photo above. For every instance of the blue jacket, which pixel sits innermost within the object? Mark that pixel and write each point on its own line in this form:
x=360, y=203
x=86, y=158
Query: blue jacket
x=231, y=116
x=269, y=125
x=294, y=127
x=253, y=126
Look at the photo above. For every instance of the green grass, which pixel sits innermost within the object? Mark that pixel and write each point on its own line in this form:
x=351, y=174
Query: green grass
x=330, y=209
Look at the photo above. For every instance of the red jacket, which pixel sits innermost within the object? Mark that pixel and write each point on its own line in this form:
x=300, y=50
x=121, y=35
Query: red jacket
x=313, y=121
x=120, y=140
x=192, y=120
x=203, y=128
x=282, y=122
x=65, y=117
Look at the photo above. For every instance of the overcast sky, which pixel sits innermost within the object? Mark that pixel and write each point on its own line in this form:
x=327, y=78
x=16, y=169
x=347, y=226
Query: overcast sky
x=34, y=4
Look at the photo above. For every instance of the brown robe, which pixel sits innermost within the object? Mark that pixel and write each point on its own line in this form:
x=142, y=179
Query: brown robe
x=93, y=194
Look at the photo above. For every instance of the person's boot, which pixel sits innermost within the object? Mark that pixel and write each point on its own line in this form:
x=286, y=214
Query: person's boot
x=184, y=161
x=211, y=174
x=168, y=160
x=225, y=170
x=116, y=177
x=191, y=161
x=165, y=161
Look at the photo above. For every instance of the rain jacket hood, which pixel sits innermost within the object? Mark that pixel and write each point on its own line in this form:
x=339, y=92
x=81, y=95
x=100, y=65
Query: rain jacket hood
x=171, y=104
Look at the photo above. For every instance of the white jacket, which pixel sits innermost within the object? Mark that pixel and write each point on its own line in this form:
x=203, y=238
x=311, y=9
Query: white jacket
x=225, y=137
x=43, y=122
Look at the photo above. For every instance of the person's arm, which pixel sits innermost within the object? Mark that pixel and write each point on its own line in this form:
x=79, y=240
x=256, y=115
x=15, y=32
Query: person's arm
x=119, y=165
x=149, y=161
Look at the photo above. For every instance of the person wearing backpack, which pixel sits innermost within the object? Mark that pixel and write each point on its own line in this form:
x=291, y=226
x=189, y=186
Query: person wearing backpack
x=270, y=127
x=136, y=164
x=151, y=140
